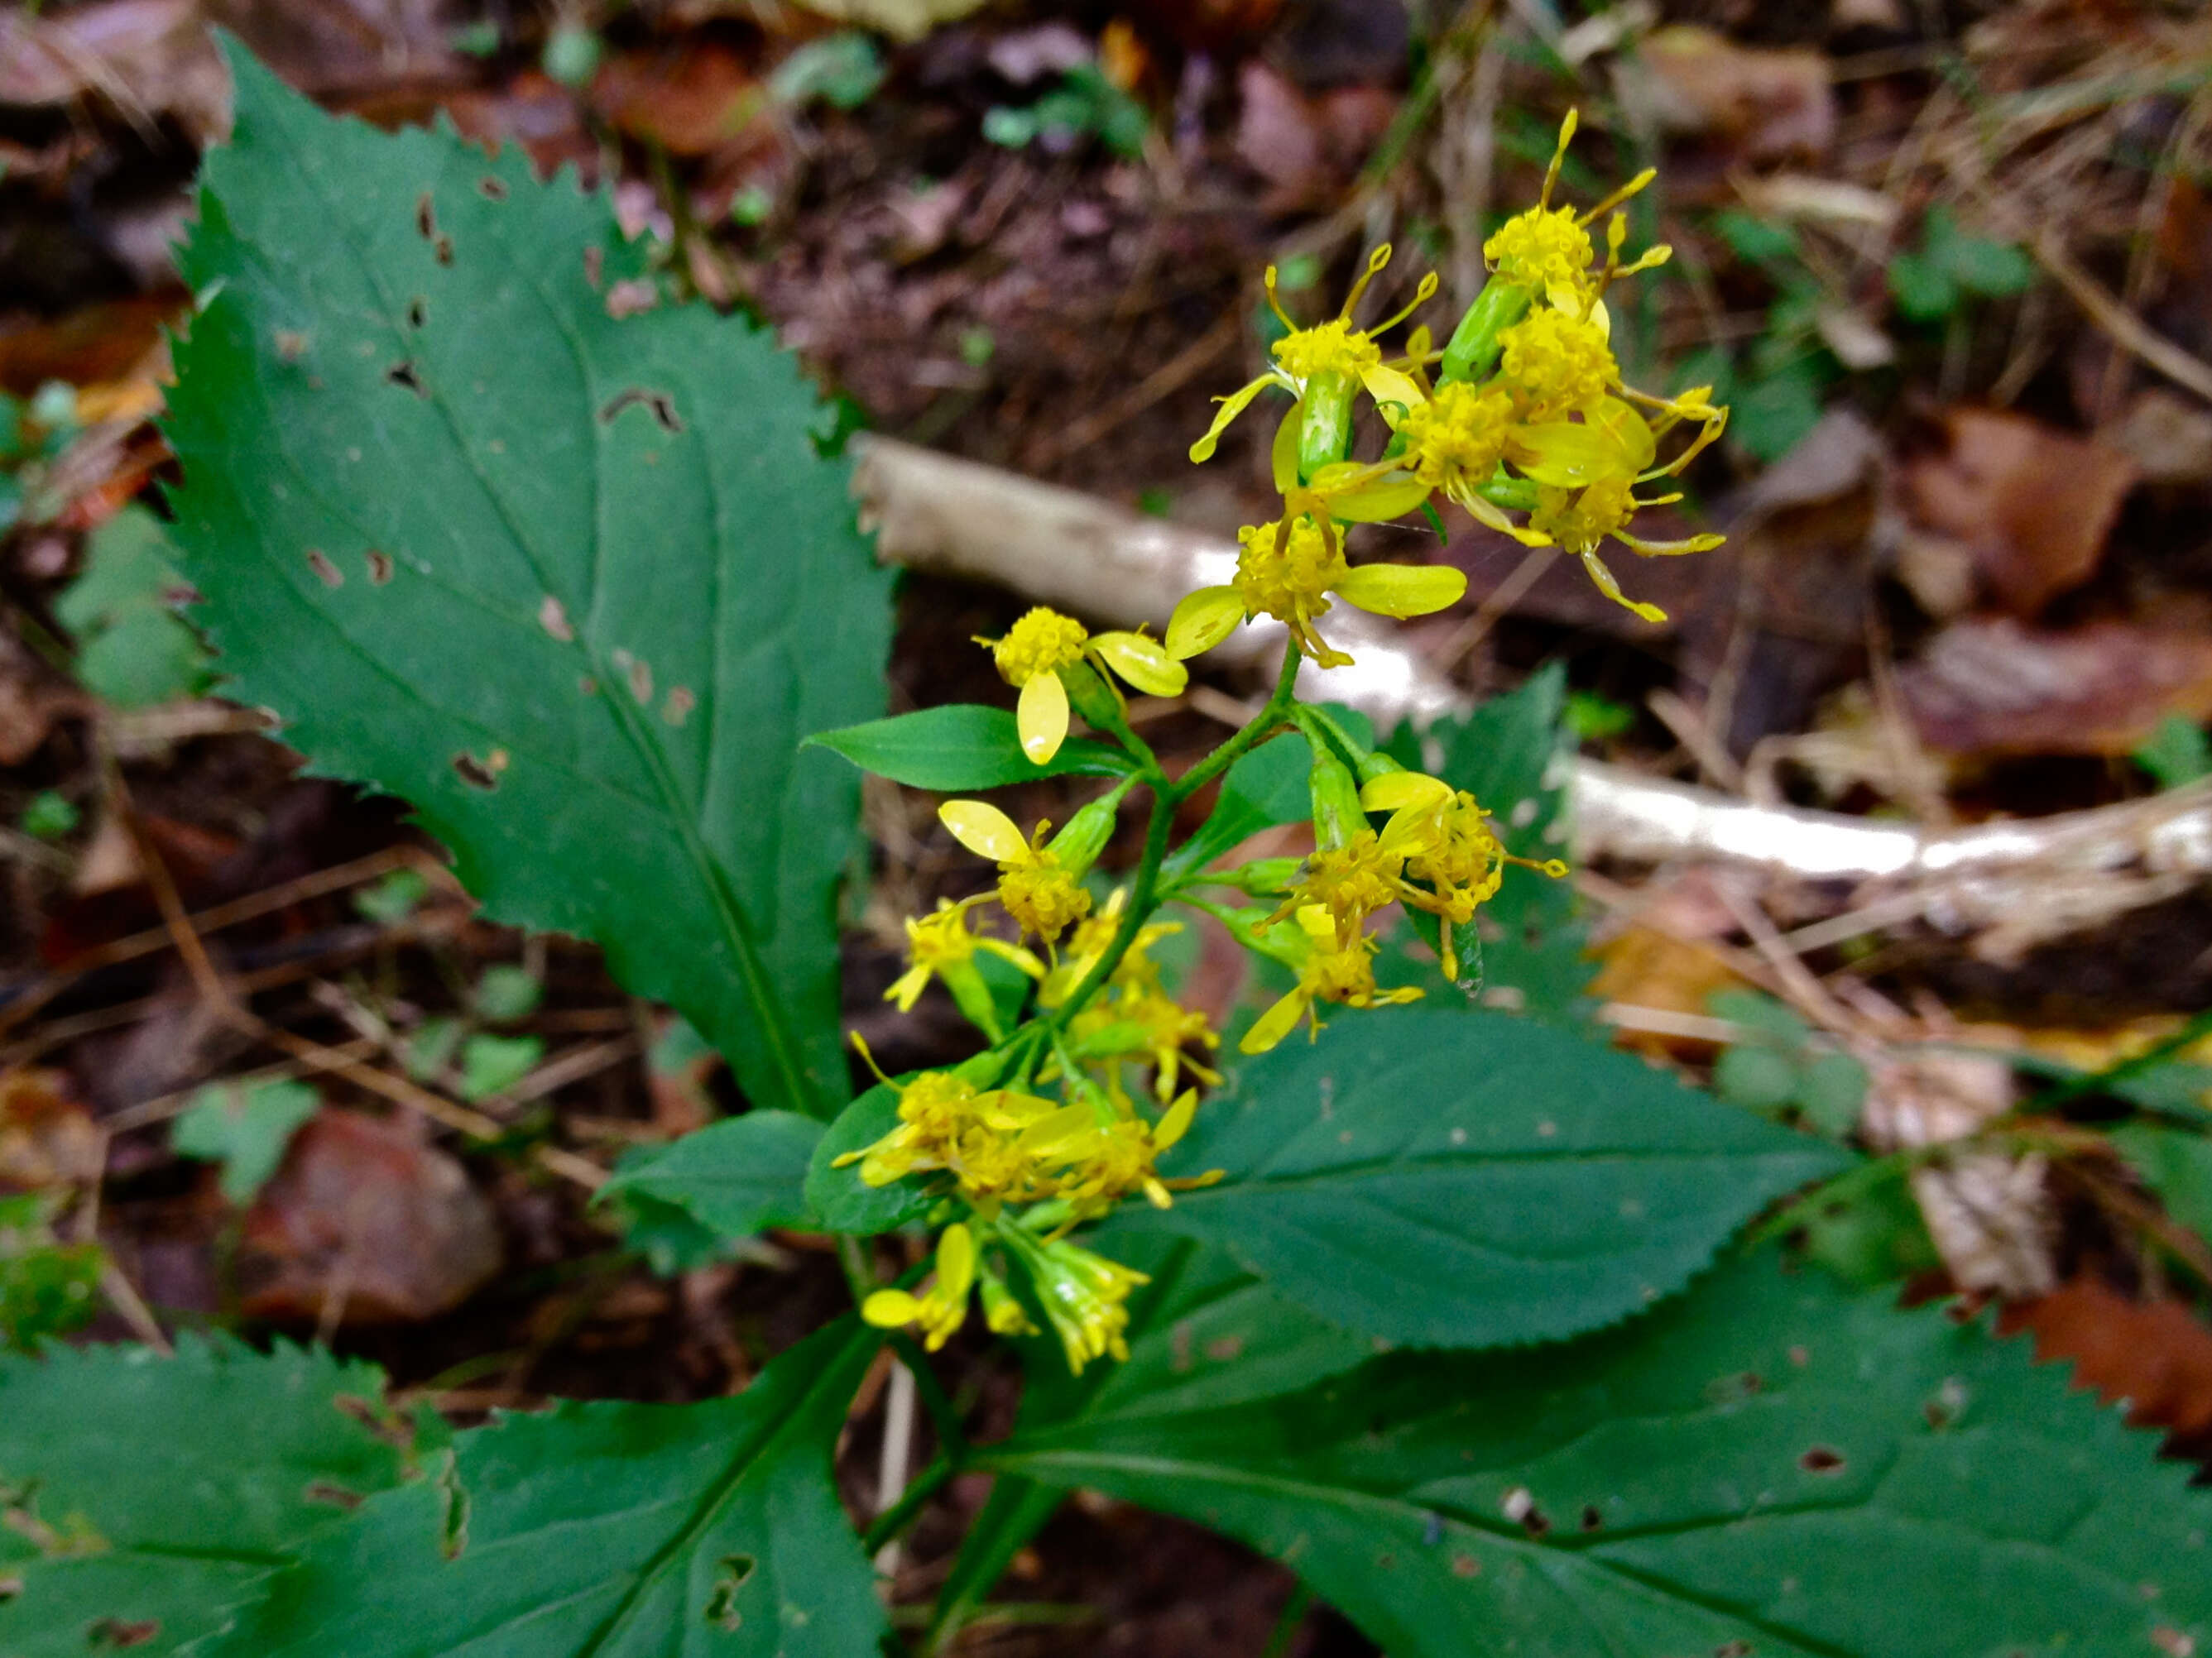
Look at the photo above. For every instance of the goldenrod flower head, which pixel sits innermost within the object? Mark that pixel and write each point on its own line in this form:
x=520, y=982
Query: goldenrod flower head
x=939, y=946
x=1169, y=1028
x=1043, y=643
x=1033, y=888
x=1332, y=972
x=1083, y=1294
x=1452, y=852
x=1287, y=570
x=997, y=1162
x=1000, y=1310
x=1546, y=250
x=941, y=1308
x=1304, y=356
x=1455, y=440
x=1350, y=883
x=1556, y=361
x=1579, y=520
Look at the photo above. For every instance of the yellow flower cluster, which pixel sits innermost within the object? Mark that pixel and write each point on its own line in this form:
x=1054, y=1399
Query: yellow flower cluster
x=1043, y=647
x=1526, y=412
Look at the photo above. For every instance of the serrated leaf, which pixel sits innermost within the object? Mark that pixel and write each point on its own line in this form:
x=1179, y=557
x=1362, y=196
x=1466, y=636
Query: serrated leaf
x=575, y=585
x=1445, y=1178
x=1774, y=1465
x=133, y=650
x=154, y=1497
x=733, y=1177
x=1507, y=753
x=615, y=1530
x=962, y=746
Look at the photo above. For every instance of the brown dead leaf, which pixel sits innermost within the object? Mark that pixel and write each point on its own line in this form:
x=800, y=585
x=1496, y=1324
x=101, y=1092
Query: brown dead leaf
x=1759, y=102
x=1995, y=687
x=2167, y=436
x=2155, y=1355
x=2032, y=504
x=364, y=1224
x=101, y=343
x=46, y=1136
x=31, y=697
x=690, y=99
x=146, y=57
x=1660, y=958
x=1307, y=148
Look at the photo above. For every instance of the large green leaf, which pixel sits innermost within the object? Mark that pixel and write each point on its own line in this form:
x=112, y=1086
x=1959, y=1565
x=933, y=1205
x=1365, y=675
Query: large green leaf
x=1771, y=1466
x=1463, y=1179
x=1507, y=753
x=575, y=584
x=732, y=1177
x=144, y=1501
x=619, y=1530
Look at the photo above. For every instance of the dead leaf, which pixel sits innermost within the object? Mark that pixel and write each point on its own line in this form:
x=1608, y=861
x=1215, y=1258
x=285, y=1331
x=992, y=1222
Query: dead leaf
x=1995, y=687
x=689, y=98
x=2155, y=1355
x=2032, y=504
x=364, y=1224
x=1760, y=102
x=2167, y=436
x=110, y=341
x=147, y=57
x=1307, y=148
x=47, y=1138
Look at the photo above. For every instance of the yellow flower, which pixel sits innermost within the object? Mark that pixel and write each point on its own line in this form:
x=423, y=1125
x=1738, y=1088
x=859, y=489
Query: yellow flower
x=1090, y=943
x=1330, y=973
x=1456, y=438
x=1287, y=570
x=941, y=1308
x=1103, y=1164
x=1579, y=520
x=1000, y=1310
x=1168, y=1028
x=1454, y=854
x=1332, y=355
x=1083, y=1294
x=1350, y=883
x=939, y=946
x=940, y=1117
x=1043, y=643
x=1041, y=896
x=1556, y=362
x=1547, y=249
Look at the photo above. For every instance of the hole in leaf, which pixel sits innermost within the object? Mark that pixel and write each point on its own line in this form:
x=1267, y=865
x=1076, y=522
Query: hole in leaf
x=442, y=249
x=323, y=567
x=2173, y=1642
x=722, y=1605
x=118, y=1633
x=476, y=773
x=662, y=405
x=553, y=617
x=1465, y=1565
x=595, y=264
x=426, y=217
x=1591, y=1518
x=1821, y=1460
x=418, y=312
x=403, y=373
x=1733, y=1649
x=9, y=1589
x=676, y=706
x=494, y=191
x=379, y=567
x=321, y=1491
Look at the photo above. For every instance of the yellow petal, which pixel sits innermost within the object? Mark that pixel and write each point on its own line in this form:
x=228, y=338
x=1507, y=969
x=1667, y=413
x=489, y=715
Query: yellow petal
x=906, y=990
x=1040, y=717
x=890, y=1310
x=981, y=826
x=1391, y=496
x=1393, y=791
x=1284, y=456
x=1070, y=1125
x=1203, y=620
x=1175, y=1123
x=956, y=1263
x=1014, y=954
x=1492, y=516
x=1391, y=386
x=1402, y=590
x=1231, y=406
x=1277, y=1023
x=1611, y=589
x=1144, y=662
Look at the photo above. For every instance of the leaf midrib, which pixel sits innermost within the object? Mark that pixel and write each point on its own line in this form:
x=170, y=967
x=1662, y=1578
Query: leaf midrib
x=768, y=1013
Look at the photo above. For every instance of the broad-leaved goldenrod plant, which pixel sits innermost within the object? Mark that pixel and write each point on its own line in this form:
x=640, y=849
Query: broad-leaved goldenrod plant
x=1434, y=1302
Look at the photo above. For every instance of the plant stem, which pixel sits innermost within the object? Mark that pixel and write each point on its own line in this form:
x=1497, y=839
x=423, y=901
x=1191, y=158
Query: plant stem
x=901, y=1513
x=1261, y=725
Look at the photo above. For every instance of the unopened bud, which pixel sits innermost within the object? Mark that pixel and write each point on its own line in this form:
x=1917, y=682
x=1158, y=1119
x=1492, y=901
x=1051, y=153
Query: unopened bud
x=1472, y=351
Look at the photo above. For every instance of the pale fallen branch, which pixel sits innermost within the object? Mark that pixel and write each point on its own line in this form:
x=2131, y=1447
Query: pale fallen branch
x=2013, y=883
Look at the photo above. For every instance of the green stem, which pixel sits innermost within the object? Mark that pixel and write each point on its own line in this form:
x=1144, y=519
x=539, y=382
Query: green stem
x=901, y=1513
x=1262, y=725
x=1292, y=1619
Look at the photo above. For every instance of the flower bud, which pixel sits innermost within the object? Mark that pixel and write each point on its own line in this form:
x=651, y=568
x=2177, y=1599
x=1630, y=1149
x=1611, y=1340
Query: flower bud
x=1325, y=422
x=1337, y=816
x=1473, y=349
x=1085, y=836
x=1093, y=697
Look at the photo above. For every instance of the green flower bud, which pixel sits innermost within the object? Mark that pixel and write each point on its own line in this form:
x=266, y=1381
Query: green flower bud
x=1337, y=814
x=1085, y=836
x=1472, y=351
x=1325, y=421
x=1091, y=696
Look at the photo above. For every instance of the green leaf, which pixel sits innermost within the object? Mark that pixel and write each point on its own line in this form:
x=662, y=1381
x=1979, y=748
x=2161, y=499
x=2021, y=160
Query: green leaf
x=1774, y=1465
x=1757, y=240
x=152, y=1497
x=575, y=585
x=47, y=1288
x=1509, y=755
x=1923, y=288
x=1265, y=787
x=50, y=816
x=133, y=650
x=2176, y=752
x=394, y=898
x=843, y=69
x=621, y=1531
x=244, y=1129
x=1775, y=411
x=2177, y=1164
x=492, y=1065
x=734, y=1177
x=505, y=993
x=1444, y=1178
x=962, y=746
x=839, y=1200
